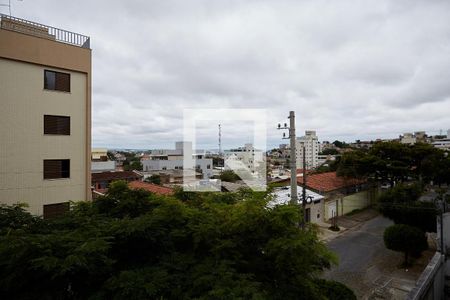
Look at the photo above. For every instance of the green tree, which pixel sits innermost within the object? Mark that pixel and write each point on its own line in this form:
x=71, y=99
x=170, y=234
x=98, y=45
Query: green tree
x=334, y=290
x=340, y=144
x=15, y=217
x=138, y=245
x=395, y=162
x=229, y=176
x=401, y=205
x=134, y=165
x=155, y=179
x=405, y=238
x=329, y=151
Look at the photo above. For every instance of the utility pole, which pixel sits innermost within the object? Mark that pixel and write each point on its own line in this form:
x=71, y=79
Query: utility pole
x=220, y=140
x=304, y=185
x=219, y=164
x=293, y=163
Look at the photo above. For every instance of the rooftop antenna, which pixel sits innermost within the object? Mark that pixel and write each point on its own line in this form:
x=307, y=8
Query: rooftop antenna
x=220, y=140
x=220, y=150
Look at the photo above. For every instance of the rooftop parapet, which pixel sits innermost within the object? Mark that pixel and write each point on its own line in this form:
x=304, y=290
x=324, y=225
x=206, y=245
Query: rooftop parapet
x=43, y=31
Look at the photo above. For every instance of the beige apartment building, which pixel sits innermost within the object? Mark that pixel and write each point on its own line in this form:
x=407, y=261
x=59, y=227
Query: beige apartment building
x=45, y=116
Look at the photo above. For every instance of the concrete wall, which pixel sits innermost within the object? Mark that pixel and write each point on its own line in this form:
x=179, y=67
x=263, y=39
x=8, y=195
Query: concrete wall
x=430, y=284
x=445, y=231
x=102, y=166
x=97, y=153
x=23, y=60
x=24, y=146
x=316, y=211
x=347, y=204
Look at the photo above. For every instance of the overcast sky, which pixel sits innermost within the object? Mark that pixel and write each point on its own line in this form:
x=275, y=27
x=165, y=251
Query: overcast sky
x=349, y=69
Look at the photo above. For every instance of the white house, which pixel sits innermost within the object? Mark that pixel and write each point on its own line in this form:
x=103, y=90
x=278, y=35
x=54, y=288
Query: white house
x=314, y=210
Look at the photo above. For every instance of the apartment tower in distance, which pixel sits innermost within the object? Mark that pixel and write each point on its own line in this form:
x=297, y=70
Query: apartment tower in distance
x=45, y=116
x=310, y=143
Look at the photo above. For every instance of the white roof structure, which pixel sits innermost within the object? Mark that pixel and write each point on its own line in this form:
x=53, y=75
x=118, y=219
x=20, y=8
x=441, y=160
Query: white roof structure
x=283, y=195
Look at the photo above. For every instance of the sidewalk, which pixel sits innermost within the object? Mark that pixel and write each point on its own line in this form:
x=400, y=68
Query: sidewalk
x=345, y=223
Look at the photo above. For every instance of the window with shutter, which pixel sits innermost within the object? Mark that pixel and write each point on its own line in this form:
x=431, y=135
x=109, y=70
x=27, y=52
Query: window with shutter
x=54, y=210
x=56, y=125
x=56, y=81
x=56, y=168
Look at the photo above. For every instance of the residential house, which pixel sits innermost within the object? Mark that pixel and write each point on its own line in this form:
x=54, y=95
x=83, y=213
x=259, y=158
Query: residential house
x=102, y=180
x=342, y=195
x=314, y=209
x=152, y=188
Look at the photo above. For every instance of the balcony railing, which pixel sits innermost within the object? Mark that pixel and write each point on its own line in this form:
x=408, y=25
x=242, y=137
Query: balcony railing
x=43, y=31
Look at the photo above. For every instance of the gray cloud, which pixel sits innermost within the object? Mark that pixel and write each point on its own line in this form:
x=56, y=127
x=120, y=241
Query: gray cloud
x=350, y=69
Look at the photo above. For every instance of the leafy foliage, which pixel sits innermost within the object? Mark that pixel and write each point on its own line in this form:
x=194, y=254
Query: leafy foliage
x=155, y=179
x=133, y=244
x=405, y=238
x=396, y=162
x=16, y=218
x=329, y=151
x=401, y=205
x=336, y=290
x=133, y=165
x=229, y=176
x=340, y=144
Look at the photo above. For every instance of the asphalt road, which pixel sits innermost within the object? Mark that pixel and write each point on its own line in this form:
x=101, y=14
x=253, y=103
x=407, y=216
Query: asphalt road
x=358, y=250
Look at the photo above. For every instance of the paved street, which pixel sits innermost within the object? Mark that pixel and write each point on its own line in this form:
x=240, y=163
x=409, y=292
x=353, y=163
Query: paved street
x=357, y=248
x=367, y=267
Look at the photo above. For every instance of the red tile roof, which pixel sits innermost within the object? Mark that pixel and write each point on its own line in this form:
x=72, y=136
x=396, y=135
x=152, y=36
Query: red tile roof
x=300, y=171
x=150, y=187
x=327, y=182
x=119, y=175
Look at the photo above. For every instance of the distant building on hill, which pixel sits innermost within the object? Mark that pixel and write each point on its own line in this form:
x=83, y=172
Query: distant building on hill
x=310, y=143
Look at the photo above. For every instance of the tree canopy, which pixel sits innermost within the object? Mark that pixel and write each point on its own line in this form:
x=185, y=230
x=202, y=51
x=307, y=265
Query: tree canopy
x=229, y=176
x=401, y=204
x=396, y=162
x=137, y=245
x=405, y=238
x=155, y=179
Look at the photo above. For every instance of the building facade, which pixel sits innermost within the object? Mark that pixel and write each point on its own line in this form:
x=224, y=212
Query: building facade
x=310, y=143
x=45, y=116
x=408, y=138
x=248, y=156
x=173, y=159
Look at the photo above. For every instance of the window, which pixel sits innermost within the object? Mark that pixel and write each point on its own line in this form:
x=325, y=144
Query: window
x=54, y=210
x=56, y=125
x=56, y=81
x=56, y=168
